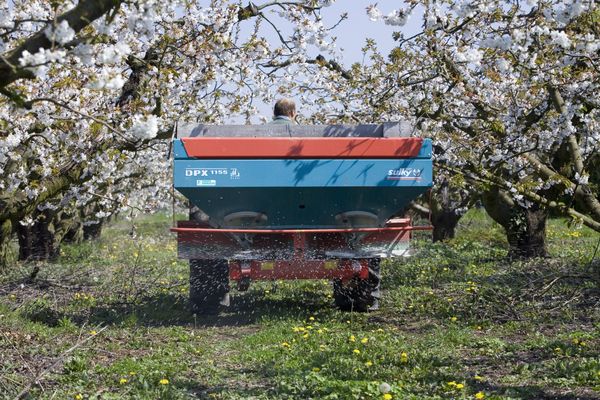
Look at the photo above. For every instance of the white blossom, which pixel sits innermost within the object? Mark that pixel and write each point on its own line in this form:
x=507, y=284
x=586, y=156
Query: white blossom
x=61, y=34
x=560, y=38
x=396, y=18
x=27, y=221
x=374, y=13
x=581, y=179
x=144, y=127
x=115, y=53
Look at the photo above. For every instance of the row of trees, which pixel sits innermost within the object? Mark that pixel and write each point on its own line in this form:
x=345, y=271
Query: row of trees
x=89, y=94
x=509, y=92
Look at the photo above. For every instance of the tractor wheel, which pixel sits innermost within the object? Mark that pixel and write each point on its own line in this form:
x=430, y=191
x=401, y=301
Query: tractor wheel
x=359, y=294
x=209, y=285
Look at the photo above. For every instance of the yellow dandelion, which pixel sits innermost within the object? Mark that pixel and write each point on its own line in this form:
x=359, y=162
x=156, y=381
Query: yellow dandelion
x=356, y=351
x=93, y=332
x=478, y=378
x=451, y=383
x=364, y=340
x=479, y=395
x=164, y=381
x=459, y=386
x=311, y=318
x=404, y=357
x=352, y=338
x=132, y=373
x=123, y=381
x=305, y=336
x=369, y=363
x=285, y=344
x=453, y=319
x=78, y=396
x=387, y=396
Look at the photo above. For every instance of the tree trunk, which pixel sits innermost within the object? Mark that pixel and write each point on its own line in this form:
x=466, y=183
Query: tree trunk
x=74, y=234
x=444, y=224
x=92, y=231
x=525, y=227
x=38, y=241
x=446, y=204
x=5, y=236
x=527, y=233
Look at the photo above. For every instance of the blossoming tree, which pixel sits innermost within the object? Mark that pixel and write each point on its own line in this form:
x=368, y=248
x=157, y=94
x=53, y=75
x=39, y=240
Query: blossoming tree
x=89, y=93
x=509, y=92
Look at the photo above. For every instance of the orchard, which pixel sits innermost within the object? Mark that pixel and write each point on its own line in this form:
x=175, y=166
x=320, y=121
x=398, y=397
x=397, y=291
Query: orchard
x=500, y=301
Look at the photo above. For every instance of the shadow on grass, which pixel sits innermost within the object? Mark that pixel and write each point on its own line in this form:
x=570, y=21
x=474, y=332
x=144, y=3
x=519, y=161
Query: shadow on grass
x=537, y=392
x=169, y=309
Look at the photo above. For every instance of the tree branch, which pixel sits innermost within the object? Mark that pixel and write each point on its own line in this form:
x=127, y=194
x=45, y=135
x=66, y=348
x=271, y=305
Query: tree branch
x=86, y=12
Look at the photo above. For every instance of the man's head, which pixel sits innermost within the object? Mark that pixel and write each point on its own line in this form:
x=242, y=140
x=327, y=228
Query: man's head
x=285, y=108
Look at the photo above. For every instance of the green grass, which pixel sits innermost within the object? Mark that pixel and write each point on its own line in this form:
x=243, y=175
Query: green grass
x=457, y=319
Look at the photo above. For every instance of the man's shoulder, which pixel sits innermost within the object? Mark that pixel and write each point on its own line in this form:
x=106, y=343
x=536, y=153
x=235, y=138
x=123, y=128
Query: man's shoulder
x=281, y=120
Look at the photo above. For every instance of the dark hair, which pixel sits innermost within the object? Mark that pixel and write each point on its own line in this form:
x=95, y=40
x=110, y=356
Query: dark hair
x=285, y=107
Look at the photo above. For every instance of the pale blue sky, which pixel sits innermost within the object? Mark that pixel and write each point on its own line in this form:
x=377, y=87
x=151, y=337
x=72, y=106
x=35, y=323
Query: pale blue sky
x=353, y=31
x=351, y=35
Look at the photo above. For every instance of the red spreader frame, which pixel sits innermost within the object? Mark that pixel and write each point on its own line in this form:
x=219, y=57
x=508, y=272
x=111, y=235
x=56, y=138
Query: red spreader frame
x=302, y=253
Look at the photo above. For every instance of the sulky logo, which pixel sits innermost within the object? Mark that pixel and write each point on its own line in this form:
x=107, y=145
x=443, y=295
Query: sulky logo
x=404, y=174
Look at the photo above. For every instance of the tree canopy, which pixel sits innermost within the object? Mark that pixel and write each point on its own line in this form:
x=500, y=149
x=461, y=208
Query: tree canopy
x=90, y=92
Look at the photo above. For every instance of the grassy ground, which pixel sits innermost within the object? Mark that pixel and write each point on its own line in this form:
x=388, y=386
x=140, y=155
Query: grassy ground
x=458, y=321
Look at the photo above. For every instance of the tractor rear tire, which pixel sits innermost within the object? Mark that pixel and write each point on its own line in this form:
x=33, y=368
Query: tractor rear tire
x=360, y=295
x=209, y=285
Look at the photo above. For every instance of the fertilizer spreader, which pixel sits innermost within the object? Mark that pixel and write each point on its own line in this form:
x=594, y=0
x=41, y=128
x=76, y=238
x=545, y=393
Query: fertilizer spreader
x=296, y=202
